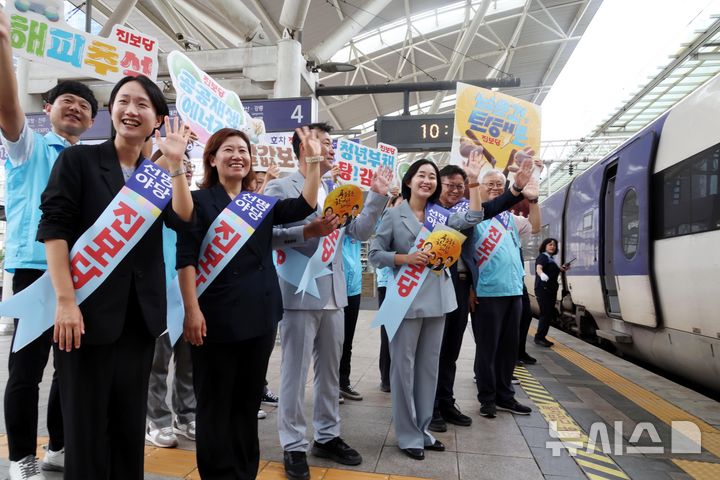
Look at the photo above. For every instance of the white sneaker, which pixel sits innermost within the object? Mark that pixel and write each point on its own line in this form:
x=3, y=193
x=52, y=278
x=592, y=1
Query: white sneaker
x=26, y=469
x=53, y=461
x=187, y=430
x=161, y=437
x=261, y=414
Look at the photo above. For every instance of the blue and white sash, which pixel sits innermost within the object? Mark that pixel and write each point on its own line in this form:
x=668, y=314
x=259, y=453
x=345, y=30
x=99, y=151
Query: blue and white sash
x=228, y=233
x=461, y=207
x=486, y=246
x=301, y=272
x=97, y=252
x=405, y=286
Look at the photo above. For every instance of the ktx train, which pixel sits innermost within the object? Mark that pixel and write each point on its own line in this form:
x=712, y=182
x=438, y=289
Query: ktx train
x=644, y=225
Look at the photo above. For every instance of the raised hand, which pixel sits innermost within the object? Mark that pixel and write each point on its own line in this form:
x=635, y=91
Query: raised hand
x=381, y=180
x=4, y=27
x=531, y=191
x=175, y=142
x=309, y=142
x=523, y=175
x=272, y=173
x=475, y=163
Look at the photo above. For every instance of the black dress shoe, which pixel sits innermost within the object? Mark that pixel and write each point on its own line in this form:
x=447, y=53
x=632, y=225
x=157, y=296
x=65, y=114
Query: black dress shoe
x=455, y=416
x=337, y=450
x=385, y=387
x=437, y=424
x=528, y=360
x=296, y=467
x=438, y=446
x=414, y=453
x=544, y=343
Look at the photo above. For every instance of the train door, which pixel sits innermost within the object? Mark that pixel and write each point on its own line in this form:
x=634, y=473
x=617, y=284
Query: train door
x=632, y=246
x=608, y=274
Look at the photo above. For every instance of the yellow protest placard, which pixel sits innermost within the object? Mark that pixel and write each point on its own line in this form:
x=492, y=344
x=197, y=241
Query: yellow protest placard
x=443, y=246
x=497, y=122
x=345, y=201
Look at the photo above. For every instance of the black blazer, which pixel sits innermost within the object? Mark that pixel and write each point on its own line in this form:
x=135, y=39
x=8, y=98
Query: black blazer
x=83, y=181
x=244, y=300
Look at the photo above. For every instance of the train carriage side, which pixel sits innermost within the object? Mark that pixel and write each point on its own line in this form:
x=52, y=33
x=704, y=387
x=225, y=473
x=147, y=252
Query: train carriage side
x=642, y=224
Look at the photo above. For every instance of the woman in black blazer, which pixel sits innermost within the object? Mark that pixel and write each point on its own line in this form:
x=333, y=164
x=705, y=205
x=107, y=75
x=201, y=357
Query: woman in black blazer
x=104, y=347
x=231, y=326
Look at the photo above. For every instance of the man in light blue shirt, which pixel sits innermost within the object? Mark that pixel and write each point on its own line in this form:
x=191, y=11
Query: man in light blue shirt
x=71, y=107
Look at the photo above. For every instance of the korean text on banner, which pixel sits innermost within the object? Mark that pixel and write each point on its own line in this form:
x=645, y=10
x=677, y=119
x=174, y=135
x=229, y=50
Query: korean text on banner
x=274, y=148
x=357, y=162
x=46, y=38
x=202, y=103
x=497, y=122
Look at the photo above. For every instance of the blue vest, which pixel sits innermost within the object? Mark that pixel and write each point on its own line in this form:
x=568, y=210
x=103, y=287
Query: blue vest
x=504, y=272
x=25, y=184
x=352, y=265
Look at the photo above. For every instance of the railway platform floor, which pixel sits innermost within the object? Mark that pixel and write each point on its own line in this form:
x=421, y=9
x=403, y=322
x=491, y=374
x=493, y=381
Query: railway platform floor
x=594, y=416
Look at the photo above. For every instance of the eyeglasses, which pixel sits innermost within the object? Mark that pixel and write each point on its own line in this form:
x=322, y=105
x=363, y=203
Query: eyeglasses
x=455, y=186
x=494, y=185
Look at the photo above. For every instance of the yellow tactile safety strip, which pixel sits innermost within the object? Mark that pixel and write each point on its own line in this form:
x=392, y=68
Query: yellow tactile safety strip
x=700, y=470
x=593, y=462
x=178, y=463
x=657, y=406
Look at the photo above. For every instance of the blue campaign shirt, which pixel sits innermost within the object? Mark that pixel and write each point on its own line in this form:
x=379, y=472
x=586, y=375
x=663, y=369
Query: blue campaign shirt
x=384, y=276
x=169, y=253
x=503, y=275
x=352, y=265
x=27, y=170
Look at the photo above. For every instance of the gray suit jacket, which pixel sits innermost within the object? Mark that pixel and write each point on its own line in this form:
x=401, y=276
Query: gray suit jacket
x=397, y=232
x=291, y=236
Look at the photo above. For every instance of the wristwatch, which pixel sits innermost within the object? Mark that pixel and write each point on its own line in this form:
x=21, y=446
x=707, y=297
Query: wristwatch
x=516, y=188
x=473, y=185
x=315, y=159
x=178, y=172
x=534, y=200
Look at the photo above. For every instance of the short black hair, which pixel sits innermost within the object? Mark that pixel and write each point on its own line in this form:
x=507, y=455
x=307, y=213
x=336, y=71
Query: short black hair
x=153, y=91
x=322, y=126
x=405, y=189
x=548, y=241
x=72, y=87
x=450, y=170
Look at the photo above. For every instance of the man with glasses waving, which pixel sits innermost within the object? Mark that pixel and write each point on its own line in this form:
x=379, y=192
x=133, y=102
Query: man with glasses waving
x=454, y=182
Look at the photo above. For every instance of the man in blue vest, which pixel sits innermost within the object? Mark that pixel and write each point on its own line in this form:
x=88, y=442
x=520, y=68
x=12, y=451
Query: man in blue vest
x=493, y=255
x=71, y=107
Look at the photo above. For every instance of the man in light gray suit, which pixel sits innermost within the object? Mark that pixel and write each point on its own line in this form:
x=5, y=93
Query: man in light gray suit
x=314, y=327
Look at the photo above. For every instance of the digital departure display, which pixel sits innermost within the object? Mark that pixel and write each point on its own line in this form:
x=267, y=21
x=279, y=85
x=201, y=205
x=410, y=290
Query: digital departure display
x=416, y=133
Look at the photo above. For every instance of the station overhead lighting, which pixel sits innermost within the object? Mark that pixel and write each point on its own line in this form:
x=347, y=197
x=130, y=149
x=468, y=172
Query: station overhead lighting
x=334, y=67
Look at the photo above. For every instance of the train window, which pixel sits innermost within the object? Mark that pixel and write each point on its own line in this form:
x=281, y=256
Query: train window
x=587, y=220
x=630, y=233
x=686, y=197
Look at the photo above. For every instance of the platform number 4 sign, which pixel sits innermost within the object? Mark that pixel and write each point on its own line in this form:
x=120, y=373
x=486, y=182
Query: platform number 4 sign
x=297, y=114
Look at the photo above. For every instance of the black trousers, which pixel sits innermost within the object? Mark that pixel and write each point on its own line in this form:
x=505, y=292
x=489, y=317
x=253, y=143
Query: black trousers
x=22, y=392
x=351, y=316
x=104, y=401
x=548, y=313
x=525, y=320
x=455, y=324
x=495, y=325
x=229, y=380
x=384, y=362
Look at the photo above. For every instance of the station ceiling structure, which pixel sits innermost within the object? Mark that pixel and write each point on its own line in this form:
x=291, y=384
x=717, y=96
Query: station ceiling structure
x=387, y=41
x=695, y=62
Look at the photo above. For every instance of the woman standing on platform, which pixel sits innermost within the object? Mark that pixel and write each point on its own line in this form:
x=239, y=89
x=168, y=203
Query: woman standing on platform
x=104, y=347
x=415, y=348
x=546, y=288
x=232, y=324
